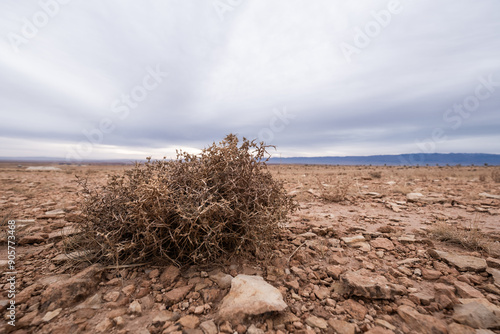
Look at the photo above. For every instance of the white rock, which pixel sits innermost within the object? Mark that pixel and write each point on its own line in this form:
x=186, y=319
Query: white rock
x=51, y=315
x=254, y=330
x=413, y=197
x=135, y=307
x=250, y=295
x=354, y=239
x=489, y=195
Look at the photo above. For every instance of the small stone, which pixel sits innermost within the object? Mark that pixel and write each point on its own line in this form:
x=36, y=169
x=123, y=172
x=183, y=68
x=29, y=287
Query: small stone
x=154, y=273
x=489, y=195
x=135, y=307
x=112, y=296
x=308, y=235
x=178, y=294
x=242, y=328
x=51, y=315
x=495, y=273
x=333, y=242
x=353, y=239
x=314, y=321
x=104, y=326
x=298, y=324
x=163, y=316
x=169, y=275
x=423, y=298
x=322, y=293
x=408, y=239
x=222, y=280
x=342, y=327
x=382, y=243
x=27, y=319
x=189, y=321
x=464, y=290
x=493, y=263
x=414, y=197
x=355, y=309
x=461, y=262
x=430, y=274
x=199, y=309
x=250, y=295
x=364, y=284
x=116, y=313
x=444, y=301
x=334, y=271
x=405, y=270
x=226, y=327
x=385, y=324
x=294, y=284
x=411, y=260
x=119, y=321
x=129, y=289
x=254, y=330
x=208, y=327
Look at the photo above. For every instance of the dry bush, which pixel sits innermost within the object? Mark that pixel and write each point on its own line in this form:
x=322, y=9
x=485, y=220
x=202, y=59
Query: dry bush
x=195, y=209
x=375, y=174
x=495, y=176
x=335, y=189
x=470, y=238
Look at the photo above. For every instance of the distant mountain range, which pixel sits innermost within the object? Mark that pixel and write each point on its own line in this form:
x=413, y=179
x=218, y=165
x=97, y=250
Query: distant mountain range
x=431, y=159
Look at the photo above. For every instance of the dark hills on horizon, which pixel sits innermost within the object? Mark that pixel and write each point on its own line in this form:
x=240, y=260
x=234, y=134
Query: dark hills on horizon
x=413, y=159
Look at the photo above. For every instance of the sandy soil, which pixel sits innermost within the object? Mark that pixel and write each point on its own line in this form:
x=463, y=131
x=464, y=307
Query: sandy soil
x=369, y=201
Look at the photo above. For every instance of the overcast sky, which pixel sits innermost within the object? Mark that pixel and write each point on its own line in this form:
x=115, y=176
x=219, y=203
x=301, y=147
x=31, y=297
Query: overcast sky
x=128, y=79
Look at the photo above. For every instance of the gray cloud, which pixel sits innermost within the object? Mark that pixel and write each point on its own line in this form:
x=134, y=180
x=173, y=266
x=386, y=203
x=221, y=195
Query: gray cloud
x=231, y=75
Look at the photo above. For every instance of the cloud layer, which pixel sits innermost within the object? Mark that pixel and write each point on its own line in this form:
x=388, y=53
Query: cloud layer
x=127, y=79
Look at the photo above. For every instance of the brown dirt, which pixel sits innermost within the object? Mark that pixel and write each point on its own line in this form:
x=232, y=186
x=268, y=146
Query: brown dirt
x=373, y=207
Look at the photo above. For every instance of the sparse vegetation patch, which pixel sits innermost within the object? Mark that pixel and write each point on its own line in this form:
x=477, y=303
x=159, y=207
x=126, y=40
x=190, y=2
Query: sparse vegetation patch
x=194, y=209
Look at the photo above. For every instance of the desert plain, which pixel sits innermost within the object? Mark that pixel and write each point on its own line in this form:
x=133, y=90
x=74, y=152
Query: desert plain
x=371, y=249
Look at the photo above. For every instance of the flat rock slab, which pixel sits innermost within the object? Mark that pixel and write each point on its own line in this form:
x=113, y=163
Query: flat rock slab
x=477, y=313
x=382, y=243
x=422, y=323
x=250, y=295
x=413, y=197
x=55, y=212
x=489, y=195
x=495, y=273
x=461, y=262
x=375, y=287
x=354, y=239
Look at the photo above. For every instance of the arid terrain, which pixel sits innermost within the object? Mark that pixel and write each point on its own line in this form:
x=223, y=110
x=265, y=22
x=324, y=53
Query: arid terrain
x=371, y=249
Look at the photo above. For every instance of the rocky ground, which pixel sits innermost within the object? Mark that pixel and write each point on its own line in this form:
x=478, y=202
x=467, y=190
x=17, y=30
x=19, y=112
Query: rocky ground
x=365, y=260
